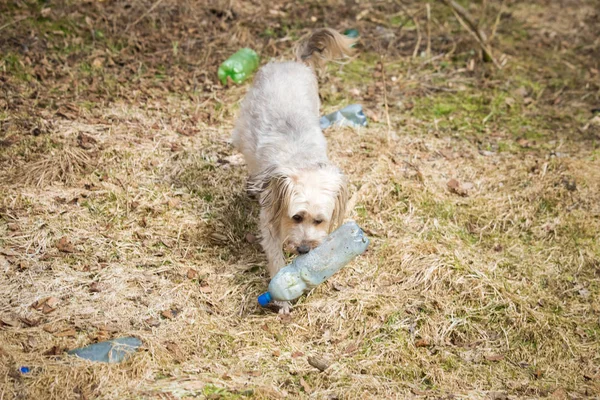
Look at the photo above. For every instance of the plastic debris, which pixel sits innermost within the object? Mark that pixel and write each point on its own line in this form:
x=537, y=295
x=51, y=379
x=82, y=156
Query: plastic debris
x=25, y=370
x=239, y=66
x=311, y=269
x=352, y=33
x=351, y=115
x=111, y=351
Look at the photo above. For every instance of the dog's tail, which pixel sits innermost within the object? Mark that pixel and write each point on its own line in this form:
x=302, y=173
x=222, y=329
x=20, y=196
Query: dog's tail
x=324, y=45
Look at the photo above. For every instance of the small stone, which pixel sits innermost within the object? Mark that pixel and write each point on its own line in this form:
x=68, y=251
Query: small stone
x=319, y=363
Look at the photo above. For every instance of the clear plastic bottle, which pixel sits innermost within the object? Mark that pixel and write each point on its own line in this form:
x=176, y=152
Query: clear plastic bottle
x=351, y=115
x=309, y=270
x=239, y=66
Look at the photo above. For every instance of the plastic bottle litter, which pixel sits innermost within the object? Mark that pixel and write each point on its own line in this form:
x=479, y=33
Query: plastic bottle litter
x=309, y=270
x=111, y=351
x=239, y=66
x=352, y=33
x=348, y=116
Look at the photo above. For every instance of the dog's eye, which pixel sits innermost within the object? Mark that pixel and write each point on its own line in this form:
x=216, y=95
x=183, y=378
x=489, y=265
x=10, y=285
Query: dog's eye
x=297, y=218
x=318, y=221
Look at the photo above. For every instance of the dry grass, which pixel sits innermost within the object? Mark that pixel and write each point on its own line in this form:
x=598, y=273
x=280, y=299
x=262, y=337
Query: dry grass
x=493, y=294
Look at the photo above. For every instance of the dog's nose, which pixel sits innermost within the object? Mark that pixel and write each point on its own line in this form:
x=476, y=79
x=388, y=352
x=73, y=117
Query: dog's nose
x=303, y=249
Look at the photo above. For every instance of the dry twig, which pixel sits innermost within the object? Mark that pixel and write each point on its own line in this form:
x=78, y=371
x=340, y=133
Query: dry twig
x=470, y=25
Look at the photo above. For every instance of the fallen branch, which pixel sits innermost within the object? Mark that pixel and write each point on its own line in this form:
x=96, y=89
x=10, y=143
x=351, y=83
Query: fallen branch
x=143, y=15
x=469, y=24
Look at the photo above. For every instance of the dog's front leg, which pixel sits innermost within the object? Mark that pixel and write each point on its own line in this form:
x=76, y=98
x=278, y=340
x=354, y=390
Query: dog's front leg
x=272, y=246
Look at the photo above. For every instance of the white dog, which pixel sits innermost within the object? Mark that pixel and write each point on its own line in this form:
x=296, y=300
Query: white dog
x=302, y=195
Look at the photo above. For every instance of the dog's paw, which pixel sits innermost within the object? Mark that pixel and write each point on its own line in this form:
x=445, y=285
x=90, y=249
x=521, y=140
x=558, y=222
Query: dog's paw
x=284, y=307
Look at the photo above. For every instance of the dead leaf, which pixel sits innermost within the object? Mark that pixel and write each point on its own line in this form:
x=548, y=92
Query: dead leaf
x=9, y=252
x=52, y=302
x=498, y=396
x=9, y=322
x=46, y=305
x=559, y=394
x=50, y=328
x=453, y=184
x=218, y=238
x=590, y=376
x=352, y=347
x=521, y=92
x=319, y=363
x=285, y=318
x=509, y=101
x=447, y=154
x=170, y=314
x=98, y=62
x=494, y=357
x=152, y=322
x=30, y=322
x=175, y=350
x=471, y=65
x=206, y=289
x=54, y=351
x=337, y=287
x=192, y=273
x=101, y=335
x=65, y=245
x=250, y=238
x=85, y=141
x=372, y=115
x=174, y=203
x=527, y=101
x=422, y=343
x=455, y=187
x=537, y=373
x=254, y=373
x=523, y=143
x=95, y=287
x=297, y=354
x=67, y=332
x=305, y=386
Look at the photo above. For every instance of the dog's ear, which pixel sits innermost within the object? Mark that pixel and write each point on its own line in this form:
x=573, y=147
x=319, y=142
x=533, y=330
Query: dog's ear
x=276, y=197
x=341, y=200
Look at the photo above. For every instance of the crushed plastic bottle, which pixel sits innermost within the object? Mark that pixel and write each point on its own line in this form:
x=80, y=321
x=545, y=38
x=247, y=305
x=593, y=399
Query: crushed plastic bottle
x=239, y=66
x=111, y=351
x=311, y=269
x=351, y=115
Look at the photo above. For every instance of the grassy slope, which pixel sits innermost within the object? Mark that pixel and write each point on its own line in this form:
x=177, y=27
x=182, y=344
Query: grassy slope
x=475, y=296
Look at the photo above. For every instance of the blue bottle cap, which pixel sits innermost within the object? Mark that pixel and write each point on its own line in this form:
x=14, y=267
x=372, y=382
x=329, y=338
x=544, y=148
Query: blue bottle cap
x=264, y=299
x=24, y=370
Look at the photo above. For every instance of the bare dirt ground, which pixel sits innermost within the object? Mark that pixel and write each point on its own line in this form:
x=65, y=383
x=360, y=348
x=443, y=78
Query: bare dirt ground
x=123, y=210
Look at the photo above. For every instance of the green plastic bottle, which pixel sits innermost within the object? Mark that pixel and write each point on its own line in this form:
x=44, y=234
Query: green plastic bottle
x=352, y=33
x=239, y=66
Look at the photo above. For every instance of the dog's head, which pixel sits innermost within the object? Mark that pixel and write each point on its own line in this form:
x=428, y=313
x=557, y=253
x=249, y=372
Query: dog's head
x=304, y=206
